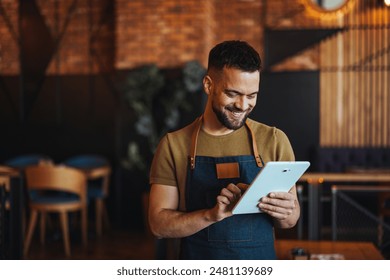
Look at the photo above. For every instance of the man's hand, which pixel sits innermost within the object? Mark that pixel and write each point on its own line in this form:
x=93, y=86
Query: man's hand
x=226, y=200
x=282, y=206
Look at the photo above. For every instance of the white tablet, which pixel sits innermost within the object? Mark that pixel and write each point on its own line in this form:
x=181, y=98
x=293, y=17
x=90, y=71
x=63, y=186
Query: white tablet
x=275, y=176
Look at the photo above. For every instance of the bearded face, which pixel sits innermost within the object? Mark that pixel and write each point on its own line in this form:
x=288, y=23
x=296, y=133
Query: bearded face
x=233, y=96
x=230, y=116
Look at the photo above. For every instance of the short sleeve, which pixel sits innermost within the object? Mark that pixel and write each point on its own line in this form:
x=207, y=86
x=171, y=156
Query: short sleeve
x=283, y=149
x=162, y=170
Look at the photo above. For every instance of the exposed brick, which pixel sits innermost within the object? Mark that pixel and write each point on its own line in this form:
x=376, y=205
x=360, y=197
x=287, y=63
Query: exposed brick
x=165, y=32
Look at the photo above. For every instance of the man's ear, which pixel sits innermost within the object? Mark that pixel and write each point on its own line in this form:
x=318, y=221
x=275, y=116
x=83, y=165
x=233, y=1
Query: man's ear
x=207, y=84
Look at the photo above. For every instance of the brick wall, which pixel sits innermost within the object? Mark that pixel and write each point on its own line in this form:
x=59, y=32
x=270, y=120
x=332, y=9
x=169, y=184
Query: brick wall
x=84, y=33
x=9, y=56
x=87, y=43
x=102, y=35
x=169, y=32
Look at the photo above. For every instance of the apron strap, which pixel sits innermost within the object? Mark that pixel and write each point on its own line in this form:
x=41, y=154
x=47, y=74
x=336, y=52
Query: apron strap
x=194, y=142
x=259, y=160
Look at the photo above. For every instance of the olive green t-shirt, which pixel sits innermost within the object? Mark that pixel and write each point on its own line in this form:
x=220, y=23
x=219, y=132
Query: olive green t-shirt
x=170, y=162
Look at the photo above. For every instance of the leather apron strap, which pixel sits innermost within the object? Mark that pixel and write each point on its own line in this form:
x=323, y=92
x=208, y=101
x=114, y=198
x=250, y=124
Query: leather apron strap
x=194, y=142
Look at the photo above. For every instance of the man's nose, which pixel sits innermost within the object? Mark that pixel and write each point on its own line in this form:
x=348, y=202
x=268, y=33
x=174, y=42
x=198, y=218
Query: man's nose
x=242, y=103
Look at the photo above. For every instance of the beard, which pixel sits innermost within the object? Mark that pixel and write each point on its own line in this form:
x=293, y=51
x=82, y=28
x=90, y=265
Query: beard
x=229, y=122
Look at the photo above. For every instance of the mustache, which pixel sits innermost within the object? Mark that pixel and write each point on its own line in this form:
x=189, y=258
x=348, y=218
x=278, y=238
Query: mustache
x=234, y=109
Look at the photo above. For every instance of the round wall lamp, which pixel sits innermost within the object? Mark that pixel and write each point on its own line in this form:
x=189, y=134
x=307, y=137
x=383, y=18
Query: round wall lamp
x=328, y=9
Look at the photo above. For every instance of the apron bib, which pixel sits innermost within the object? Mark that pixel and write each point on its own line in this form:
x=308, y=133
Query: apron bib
x=247, y=236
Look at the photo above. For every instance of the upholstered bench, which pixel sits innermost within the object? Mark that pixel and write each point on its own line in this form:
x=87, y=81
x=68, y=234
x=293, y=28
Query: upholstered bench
x=341, y=159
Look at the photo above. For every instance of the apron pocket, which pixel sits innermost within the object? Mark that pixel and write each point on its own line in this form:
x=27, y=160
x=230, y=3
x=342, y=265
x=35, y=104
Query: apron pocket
x=237, y=228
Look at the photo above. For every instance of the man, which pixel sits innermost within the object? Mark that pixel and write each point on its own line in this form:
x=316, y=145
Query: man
x=199, y=172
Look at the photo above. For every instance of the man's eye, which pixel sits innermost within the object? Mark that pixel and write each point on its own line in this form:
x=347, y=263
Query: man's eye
x=231, y=94
x=252, y=96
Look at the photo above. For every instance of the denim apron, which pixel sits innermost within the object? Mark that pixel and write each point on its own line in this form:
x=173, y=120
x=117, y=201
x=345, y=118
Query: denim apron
x=245, y=236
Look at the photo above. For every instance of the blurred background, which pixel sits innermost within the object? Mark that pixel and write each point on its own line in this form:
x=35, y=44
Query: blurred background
x=109, y=78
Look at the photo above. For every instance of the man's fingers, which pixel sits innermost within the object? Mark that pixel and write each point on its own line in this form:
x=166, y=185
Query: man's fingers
x=223, y=200
x=227, y=193
x=243, y=187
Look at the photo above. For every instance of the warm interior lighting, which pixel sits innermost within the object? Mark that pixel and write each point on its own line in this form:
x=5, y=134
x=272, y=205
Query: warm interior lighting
x=329, y=9
x=387, y=3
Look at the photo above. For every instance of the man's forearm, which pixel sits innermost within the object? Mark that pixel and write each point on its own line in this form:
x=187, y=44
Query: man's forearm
x=175, y=224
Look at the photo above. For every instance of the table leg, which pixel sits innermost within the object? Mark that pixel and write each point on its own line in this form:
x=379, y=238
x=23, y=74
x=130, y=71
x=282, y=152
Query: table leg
x=334, y=214
x=16, y=221
x=314, y=211
x=2, y=222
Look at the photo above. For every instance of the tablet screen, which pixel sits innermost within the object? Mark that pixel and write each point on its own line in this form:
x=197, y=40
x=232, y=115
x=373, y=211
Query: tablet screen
x=275, y=176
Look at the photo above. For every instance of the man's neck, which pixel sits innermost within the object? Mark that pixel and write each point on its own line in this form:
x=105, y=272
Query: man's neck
x=211, y=125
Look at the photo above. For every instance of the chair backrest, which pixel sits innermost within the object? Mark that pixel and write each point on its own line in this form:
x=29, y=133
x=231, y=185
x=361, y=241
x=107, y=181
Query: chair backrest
x=23, y=161
x=87, y=161
x=57, y=178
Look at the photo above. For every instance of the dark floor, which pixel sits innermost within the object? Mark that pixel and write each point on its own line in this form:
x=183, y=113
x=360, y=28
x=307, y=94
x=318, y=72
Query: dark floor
x=124, y=244
x=113, y=245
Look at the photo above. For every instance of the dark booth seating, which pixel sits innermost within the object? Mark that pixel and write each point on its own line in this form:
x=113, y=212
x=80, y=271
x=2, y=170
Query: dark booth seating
x=342, y=159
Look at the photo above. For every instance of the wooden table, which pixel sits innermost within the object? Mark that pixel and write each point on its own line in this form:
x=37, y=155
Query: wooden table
x=346, y=177
x=349, y=250
x=315, y=181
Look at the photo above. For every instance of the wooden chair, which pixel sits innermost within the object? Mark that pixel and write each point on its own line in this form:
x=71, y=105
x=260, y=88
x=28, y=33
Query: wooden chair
x=14, y=167
x=57, y=189
x=18, y=164
x=98, y=171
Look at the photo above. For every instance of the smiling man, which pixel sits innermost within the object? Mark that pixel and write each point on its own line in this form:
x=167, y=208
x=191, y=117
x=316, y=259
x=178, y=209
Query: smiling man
x=200, y=171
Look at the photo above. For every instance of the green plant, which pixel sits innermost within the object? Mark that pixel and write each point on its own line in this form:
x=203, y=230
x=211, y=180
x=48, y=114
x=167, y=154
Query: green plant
x=157, y=104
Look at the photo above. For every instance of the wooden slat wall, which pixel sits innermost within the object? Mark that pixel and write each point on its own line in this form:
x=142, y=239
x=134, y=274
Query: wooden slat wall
x=355, y=79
